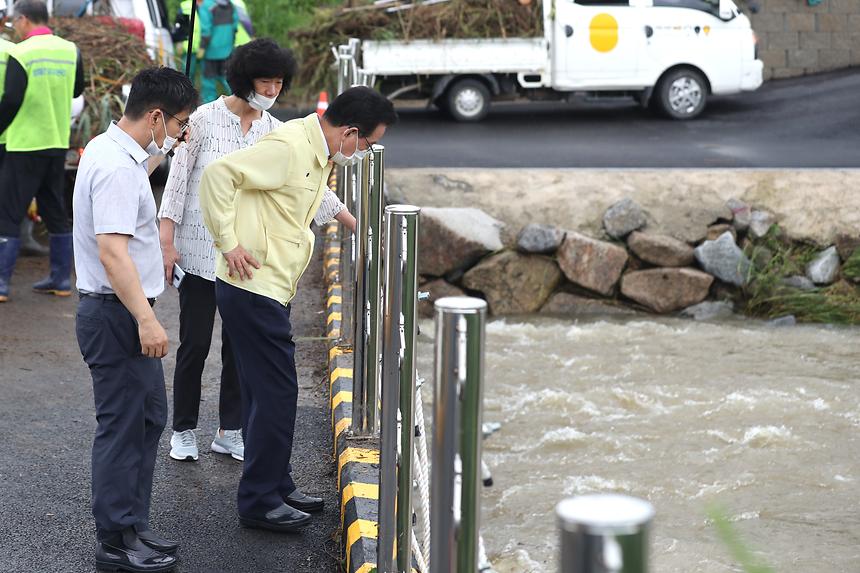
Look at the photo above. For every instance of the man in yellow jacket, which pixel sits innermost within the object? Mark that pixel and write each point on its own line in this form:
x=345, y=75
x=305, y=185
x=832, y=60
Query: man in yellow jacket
x=258, y=204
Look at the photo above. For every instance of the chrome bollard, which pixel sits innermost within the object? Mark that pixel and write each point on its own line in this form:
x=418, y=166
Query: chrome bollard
x=457, y=435
x=398, y=390
x=604, y=533
x=368, y=297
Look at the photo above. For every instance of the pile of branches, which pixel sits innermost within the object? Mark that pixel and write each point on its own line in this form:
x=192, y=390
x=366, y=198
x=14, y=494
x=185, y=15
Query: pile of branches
x=445, y=20
x=111, y=57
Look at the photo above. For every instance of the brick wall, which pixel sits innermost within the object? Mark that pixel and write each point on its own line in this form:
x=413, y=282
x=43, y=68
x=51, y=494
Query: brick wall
x=797, y=39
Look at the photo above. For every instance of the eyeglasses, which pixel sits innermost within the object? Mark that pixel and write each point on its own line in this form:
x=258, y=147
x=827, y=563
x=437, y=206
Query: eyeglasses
x=183, y=125
x=366, y=142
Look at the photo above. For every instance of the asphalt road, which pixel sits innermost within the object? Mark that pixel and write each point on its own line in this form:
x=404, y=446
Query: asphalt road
x=806, y=122
x=47, y=425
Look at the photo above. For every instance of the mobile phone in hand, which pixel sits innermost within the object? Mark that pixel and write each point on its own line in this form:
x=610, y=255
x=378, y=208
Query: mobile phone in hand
x=178, y=275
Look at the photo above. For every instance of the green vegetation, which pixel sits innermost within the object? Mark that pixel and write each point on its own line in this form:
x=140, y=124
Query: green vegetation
x=775, y=258
x=739, y=550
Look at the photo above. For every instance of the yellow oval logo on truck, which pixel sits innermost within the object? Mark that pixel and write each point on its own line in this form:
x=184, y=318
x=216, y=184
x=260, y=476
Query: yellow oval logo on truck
x=603, y=32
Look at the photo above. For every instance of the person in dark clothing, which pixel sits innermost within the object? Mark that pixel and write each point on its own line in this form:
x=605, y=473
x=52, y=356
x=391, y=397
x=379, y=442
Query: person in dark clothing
x=43, y=74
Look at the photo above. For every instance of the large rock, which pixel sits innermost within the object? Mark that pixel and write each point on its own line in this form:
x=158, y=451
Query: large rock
x=666, y=290
x=536, y=238
x=660, y=250
x=571, y=305
x=514, y=283
x=595, y=265
x=437, y=289
x=824, y=268
x=451, y=239
x=688, y=218
x=741, y=213
x=761, y=222
x=724, y=259
x=623, y=218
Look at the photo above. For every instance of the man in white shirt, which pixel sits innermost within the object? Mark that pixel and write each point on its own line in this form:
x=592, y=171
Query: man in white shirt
x=119, y=275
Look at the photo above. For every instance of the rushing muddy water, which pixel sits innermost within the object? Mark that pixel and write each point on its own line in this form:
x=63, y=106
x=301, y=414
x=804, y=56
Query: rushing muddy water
x=760, y=421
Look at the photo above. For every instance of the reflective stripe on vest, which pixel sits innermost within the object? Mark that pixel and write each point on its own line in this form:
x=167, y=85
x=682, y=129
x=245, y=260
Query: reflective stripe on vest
x=44, y=120
x=5, y=46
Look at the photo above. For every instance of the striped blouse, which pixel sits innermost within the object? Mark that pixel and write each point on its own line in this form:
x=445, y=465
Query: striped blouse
x=215, y=132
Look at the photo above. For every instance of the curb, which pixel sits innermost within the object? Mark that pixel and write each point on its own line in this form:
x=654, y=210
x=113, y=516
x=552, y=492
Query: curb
x=357, y=458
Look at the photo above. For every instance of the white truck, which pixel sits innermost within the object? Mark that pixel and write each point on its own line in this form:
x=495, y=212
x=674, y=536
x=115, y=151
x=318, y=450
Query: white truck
x=667, y=54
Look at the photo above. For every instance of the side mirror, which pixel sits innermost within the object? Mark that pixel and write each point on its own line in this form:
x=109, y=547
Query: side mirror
x=727, y=9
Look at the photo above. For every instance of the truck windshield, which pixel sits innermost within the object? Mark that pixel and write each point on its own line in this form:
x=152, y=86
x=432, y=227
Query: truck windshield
x=710, y=6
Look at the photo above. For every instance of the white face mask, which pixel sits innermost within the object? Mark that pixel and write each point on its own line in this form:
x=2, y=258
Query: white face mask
x=169, y=141
x=343, y=160
x=261, y=102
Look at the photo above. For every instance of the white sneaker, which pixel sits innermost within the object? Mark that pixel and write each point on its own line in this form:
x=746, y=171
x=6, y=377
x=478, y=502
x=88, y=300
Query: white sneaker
x=183, y=446
x=230, y=443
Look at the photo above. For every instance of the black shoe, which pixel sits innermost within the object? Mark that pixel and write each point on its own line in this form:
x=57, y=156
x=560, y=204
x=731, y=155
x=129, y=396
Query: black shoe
x=304, y=502
x=283, y=518
x=125, y=552
x=154, y=541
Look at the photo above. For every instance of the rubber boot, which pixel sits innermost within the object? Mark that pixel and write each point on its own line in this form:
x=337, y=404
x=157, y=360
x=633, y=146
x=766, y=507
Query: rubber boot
x=30, y=247
x=8, y=255
x=60, y=281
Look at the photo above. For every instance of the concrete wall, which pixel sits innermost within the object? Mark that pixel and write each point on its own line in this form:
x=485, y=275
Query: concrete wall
x=797, y=39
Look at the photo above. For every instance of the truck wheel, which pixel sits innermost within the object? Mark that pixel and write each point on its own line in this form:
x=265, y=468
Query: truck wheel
x=682, y=94
x=468, y=100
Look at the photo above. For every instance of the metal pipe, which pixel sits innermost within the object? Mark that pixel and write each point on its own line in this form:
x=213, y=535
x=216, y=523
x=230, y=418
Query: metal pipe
x=604, y=533
x=346, y=192
x=457, y=435
x=362, y=407
x=398, y=389
x=365, y=417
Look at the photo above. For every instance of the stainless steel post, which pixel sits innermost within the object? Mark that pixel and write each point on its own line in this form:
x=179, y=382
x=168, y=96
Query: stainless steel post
x=457, y=435
x=366, y=372
x=347, y=192
x=398, y=389
x=604, y=533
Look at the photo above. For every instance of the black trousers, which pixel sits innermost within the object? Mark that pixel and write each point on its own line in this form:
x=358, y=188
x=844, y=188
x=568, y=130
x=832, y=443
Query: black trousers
x=131, y=411
x=262, y=339
x=25, y=175
x=196, y=319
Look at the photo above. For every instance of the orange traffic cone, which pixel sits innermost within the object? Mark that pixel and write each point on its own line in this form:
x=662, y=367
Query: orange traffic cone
x=322, y=103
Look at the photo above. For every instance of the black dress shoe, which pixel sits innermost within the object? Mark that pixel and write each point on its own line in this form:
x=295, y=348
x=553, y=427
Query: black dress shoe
x=304, y=502
x=154, y=541
x=125, y=552
x=283, y=518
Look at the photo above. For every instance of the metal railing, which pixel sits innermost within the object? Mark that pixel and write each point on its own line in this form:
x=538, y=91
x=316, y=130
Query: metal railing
x=367, y=313
x=398, y=389
x=457, y=435
x=604, y=533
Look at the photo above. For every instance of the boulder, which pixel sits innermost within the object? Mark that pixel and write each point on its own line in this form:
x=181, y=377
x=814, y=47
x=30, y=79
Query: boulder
x=623, y=217
x=761, y=222
x=536, y=238
x=666, y=290
x=437, y=289
x=724, y=259
x=595, y=265
x=687, y=219
x=660, y=250
x=824, y=268
x=714, y=231
x=709, y=310
x=571, y=305
x=452, y=239
x=798, y=282
x=514, y=283
x=740, y=214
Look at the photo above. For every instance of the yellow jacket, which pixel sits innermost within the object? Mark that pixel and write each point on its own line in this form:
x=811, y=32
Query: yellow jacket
x=264, y=198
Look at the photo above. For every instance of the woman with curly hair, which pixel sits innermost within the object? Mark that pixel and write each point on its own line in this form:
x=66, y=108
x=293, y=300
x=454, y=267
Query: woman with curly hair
x=258, y=72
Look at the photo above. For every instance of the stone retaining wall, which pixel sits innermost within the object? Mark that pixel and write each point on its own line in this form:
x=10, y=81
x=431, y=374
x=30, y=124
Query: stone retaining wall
x=797, y=39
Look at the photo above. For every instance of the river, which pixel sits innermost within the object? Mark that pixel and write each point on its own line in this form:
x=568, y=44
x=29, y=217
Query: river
x=757, y=420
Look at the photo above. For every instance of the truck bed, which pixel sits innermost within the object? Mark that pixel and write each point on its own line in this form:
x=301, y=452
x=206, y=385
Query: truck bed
x=432, y=57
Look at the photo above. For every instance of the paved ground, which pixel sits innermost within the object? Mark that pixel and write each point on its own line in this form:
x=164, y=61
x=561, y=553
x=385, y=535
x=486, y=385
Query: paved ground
x=47, y=424
x=806, y=122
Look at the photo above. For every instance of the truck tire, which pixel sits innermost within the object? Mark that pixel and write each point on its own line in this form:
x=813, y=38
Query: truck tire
x=682, y=94
x=468, y=100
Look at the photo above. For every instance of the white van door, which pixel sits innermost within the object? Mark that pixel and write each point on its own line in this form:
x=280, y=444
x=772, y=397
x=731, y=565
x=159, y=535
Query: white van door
x=597, y=44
